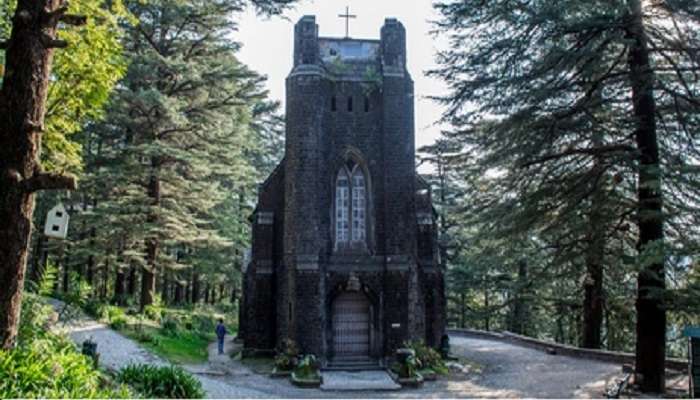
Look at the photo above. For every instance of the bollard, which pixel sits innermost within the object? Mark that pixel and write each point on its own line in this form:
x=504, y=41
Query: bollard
x=90, y=350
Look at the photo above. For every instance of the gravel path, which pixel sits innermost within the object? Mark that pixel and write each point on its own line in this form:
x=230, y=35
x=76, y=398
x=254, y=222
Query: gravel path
x=506, y=371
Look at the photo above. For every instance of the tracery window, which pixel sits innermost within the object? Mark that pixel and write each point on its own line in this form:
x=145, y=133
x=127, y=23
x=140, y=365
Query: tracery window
x=350, y=205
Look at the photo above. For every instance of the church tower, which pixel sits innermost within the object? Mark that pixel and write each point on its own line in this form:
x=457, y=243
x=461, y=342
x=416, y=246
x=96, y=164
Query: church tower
x=344, y=258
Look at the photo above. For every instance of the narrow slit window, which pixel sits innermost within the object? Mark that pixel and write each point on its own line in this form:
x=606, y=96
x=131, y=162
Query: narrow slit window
x=334, y=104
x=366, y=104
x=350, y=104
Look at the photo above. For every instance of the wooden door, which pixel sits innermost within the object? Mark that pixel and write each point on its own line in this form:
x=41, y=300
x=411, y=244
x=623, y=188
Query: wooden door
x=351, y=322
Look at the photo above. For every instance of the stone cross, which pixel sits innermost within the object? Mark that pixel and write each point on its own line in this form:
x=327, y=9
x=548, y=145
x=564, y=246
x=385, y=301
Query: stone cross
x=347, y=17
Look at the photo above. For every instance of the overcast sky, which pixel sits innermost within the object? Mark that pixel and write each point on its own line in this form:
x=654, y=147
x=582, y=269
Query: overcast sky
x=268, y=45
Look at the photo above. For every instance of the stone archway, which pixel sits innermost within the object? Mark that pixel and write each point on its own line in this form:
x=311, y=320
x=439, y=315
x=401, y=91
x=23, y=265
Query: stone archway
x=351, y=314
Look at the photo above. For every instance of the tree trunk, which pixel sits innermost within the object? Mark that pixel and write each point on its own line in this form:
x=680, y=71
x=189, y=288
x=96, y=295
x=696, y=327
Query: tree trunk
x=148, y=279
x=39, y=260
x=195, y=288
x=148, y=288
x=90, y=266
x=119, y=283
x=593, y=284
x=64, y=257
x=651, y=315
x=206, y=294
x=28, y=56
x=131, y=287
x=165, y=287
x=462, y=310
x=519, y=320
x=105, y=279
x=179, y=293
x=487, y=314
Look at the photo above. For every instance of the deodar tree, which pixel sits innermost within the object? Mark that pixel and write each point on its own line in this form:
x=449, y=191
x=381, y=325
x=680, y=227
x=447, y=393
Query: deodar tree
x=28, y=54
x=579, y=116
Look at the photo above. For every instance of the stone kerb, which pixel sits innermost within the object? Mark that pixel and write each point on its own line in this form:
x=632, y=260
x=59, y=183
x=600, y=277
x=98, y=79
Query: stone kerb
x=562, y=349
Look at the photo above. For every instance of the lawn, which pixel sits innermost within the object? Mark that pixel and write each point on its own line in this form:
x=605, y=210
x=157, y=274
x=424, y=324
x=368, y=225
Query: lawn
x=183, y=348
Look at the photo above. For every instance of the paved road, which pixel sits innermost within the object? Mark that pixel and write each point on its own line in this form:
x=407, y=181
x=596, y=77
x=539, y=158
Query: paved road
x=523, y=372
x=506, y=371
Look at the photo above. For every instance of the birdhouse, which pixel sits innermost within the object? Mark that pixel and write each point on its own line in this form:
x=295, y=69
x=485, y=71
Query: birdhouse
x=57, y=222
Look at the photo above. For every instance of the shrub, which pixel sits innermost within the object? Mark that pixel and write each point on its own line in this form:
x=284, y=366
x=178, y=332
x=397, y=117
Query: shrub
x=146, y=337
x=286, y=358
x=36, y=318
x=308, y=367
x=169, y=328
x=153, y=312
x=50, y=367
x=118, y=323
x=169, y=382
x=203, y=323
x=428, y=357
x=95, y=308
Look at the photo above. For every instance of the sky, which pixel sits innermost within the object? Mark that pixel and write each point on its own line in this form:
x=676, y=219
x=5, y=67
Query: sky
x=268, y=45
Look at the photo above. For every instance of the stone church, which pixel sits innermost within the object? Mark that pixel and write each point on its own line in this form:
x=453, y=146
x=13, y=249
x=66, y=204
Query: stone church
x=344, y=258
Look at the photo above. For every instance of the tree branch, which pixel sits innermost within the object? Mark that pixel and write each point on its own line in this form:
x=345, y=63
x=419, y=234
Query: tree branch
x=49, y=181
x=595, y=151
x=75, y=20
x=51, y=43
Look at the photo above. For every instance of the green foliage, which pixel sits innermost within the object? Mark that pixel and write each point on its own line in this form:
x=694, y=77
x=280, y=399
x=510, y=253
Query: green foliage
x=118, y=323
x=308, y=368
x=95, y=308
x=408, y=367
x=46, y=365
x=428, y=357
x=144, y=336
x=83, y=76
x=169, y=328
x=50, y=367
x=153, y=312
x=161, y=382
x=288, y=356
x=36, y=318
x=539, y=163
x=48, y=281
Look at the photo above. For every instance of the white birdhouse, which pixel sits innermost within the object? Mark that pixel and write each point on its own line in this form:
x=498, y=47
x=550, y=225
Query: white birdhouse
x=57, y=222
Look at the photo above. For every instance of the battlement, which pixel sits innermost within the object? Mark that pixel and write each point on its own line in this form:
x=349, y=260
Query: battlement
x=350, y=56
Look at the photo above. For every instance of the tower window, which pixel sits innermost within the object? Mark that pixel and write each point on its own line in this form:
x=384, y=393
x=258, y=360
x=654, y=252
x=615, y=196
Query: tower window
x=366, y=104
x=350, y=205
x=350, y=104
x=334, y=104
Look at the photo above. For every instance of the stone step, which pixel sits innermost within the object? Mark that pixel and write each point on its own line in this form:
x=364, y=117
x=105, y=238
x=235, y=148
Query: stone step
x=359, y=363
x=363, y=380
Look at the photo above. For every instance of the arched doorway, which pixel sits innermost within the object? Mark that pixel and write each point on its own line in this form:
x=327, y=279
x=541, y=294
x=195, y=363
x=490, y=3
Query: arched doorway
x=351, y=326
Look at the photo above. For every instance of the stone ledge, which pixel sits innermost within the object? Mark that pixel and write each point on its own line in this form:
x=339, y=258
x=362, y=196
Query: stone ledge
x=563, y=349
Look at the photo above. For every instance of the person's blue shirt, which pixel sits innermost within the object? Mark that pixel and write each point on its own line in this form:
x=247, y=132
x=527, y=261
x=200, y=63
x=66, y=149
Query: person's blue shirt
x=220, y=331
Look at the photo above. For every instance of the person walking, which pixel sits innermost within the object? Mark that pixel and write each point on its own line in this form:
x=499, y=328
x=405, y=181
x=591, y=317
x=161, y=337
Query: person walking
x=220, y=334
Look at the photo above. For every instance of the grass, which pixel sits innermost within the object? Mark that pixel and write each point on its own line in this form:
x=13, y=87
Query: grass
x=185, y=348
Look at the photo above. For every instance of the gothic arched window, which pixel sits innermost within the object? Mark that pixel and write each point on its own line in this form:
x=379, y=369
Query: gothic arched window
x=350, y=205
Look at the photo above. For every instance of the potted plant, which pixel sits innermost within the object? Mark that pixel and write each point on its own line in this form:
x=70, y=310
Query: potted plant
x=406, y=368
x=307, y=373
x=286, y=359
